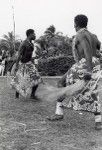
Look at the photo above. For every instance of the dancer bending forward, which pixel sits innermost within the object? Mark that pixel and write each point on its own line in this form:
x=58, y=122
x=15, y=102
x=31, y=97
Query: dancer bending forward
x=85, y=47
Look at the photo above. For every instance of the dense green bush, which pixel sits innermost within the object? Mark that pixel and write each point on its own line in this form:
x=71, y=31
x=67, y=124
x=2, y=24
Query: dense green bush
x=55, y=65
x=53, y=44
x=54, y=52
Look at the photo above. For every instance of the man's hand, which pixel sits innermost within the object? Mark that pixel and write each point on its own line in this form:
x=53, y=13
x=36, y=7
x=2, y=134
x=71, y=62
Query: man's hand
x=87, y=76
x=62, y=81
x=15, y=69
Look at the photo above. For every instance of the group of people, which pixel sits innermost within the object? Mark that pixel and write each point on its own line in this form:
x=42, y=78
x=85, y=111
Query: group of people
x=6, y=62
x=85, y=49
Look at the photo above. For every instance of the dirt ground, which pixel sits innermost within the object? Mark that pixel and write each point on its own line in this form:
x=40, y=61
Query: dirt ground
x=23, y=125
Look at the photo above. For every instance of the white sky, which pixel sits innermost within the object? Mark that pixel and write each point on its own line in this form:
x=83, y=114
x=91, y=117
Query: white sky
x=40, y=14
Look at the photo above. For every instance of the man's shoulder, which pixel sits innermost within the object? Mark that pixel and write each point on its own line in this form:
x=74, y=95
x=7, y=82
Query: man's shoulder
x=85, y=34
x=24, y=43
x=95, y=37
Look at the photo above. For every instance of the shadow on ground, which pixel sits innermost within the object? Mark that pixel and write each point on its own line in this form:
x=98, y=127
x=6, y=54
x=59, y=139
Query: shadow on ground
x=23, y=126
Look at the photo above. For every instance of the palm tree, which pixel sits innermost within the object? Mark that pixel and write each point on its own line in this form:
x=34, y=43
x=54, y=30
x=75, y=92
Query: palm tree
x=51, y=29
x=10, y=42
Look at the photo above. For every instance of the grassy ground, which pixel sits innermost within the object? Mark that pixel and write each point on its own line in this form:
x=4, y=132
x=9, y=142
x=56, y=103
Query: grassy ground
x=23, y=126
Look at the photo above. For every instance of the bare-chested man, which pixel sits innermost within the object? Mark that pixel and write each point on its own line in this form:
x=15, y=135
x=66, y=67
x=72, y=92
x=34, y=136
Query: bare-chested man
x=87, y=66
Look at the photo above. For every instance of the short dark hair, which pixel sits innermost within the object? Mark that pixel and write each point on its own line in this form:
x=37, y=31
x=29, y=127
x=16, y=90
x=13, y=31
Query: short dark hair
x=29, y=31
x=81, y=21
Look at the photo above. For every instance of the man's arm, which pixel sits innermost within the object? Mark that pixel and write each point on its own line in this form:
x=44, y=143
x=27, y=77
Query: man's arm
x=98, y=43
x=98, y=46
x=21, y=49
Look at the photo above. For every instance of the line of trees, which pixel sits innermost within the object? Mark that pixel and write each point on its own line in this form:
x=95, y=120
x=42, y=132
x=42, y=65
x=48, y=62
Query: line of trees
x=54, y=50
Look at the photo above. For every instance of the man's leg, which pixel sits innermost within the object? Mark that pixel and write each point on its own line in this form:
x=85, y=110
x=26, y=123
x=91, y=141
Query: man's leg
x=34, y=88
x=97, y=114
x=59, y=110
x=98, y=121
x=16, y=95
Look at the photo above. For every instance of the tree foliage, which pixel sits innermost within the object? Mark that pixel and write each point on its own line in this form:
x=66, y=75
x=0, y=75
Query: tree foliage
x=10, y=43
x=58, y=65
x=54, y=52
x=53, y=44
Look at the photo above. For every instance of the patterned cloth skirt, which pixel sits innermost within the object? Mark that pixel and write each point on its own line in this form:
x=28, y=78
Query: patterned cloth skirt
x=88, y=98
x=26, y=77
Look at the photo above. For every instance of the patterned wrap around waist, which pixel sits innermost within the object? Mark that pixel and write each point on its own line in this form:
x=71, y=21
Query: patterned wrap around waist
x=87, y=100
x=26, y=77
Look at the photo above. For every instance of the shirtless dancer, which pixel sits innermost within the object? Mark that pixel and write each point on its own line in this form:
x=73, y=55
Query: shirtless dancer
x=85, y=46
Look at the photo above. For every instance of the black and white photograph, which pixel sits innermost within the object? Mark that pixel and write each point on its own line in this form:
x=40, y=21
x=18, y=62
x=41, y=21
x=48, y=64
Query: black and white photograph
x=50, y=75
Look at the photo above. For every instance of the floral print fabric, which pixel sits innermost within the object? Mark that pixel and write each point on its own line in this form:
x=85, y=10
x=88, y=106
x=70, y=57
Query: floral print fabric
x=88, y=99
x=26, y=77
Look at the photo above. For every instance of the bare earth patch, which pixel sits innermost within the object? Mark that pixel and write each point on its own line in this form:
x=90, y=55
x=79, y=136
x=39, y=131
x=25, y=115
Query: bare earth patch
x=23, y=125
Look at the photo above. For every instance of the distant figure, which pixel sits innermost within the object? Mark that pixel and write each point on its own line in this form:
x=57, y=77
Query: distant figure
x=2, y=62
x=26, y=78
x=2, y=67
x=87, y=67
